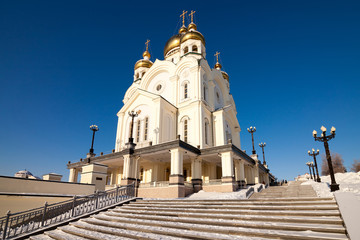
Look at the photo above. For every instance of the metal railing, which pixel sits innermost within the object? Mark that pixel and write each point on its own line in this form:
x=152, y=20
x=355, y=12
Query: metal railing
x=213, y=182
x=154, y=184
x=260, y=188
x=14, y=224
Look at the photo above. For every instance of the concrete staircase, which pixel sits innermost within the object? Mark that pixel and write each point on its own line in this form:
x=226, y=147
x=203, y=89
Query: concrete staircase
x=292, y=190
x=278, y=218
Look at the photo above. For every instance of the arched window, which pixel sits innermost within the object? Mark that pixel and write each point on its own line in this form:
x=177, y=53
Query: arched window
x=138, y=131
x=186, y=49
x=205, y=92
x=185, y=130
x=194, y=48
x=185, y=90
x=137, y=75
x=206, y=131
x=146, y=127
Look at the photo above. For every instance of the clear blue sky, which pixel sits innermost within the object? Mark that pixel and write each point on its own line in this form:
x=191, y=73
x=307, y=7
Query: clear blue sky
x=64, y=65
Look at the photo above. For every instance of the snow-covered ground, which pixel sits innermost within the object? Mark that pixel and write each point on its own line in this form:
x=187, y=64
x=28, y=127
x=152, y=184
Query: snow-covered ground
x=348, y=182
x=348, y=198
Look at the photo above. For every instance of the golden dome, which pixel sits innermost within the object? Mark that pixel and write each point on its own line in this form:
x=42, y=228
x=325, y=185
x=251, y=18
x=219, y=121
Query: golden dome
x=143, y=63
x=217, y=65
x=225, y=75
x=146, y=54
x=183, y=29
x=192, y=26
x=193, y=35
x=172, y=43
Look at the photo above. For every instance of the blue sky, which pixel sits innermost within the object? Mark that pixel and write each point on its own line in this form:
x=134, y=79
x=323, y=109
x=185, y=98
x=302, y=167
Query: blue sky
x=64, y=65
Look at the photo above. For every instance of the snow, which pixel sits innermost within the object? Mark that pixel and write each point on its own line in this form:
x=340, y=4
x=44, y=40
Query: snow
x=348, y=198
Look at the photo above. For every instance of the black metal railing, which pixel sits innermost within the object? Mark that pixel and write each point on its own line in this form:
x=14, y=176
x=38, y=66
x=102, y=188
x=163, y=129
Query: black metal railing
x=14, y=224
x=249, y=191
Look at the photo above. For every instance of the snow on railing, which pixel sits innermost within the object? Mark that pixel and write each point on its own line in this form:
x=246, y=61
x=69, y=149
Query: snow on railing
x=212, y=182
x=249, y=192
x=14, y=224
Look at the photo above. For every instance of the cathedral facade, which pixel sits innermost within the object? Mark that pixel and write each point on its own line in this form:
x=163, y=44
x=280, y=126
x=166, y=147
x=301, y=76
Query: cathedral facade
x=177, y=131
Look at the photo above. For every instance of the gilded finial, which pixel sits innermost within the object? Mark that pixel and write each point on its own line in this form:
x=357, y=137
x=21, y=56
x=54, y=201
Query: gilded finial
x=217, y=65
x=146, y=54
x=183, y=17
x=192, y=15
x=192, y=25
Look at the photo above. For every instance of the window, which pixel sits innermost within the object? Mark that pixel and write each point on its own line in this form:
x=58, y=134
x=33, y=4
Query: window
x=205, y=92
x=158, y=87
x=138, y=131
x=218, y=97
x=186, y=49
x=194, y=48
x=186, y=90
x=141, y=174
x=206, y=131
x=185, y=130
x=146, y=129
x=137, y=75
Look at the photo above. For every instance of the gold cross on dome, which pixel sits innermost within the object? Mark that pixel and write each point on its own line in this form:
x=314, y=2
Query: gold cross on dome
x=147, y=44
x=192, y=15
x=217, y=56
x=183, y=17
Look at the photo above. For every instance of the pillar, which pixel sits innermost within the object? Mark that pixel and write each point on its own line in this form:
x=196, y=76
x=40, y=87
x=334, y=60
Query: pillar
x=176, y=179
x=94, y=173
x=228, y=176
x=73, y=175
x=240, y=173
x=196, y=173
x=130, y=170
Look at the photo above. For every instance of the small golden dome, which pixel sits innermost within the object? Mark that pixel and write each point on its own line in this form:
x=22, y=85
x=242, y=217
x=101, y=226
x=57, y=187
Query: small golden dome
x=225, y=75
x=183, y=29
x=172, y=43
x=143, y=63
x=193, y=35
x=192, y=26
x=217, y=65
x=146, y=54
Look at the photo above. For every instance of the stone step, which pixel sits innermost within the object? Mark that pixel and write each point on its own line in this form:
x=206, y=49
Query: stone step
x=303, y=226
x=230, y=216
x=141, y=224
x=267, y=202
x=247, y=207
x=240, y=200
x=61, y=235
x=248, y=212
x=95, y=235
x=146, y=231
x=40, y=237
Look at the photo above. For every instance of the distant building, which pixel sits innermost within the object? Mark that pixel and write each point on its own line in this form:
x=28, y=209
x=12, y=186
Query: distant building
x=25, y=174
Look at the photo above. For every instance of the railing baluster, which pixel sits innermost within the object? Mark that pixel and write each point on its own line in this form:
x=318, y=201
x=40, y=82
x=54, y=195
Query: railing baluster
x=44, y=213
x=97, y=199
x=73, y=206
x=6, y=224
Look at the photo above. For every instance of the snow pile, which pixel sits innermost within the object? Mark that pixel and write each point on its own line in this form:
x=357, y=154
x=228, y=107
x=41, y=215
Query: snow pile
x=348, y=182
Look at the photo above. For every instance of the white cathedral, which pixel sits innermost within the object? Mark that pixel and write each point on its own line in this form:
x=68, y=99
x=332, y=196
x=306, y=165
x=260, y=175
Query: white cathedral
x=177, y=132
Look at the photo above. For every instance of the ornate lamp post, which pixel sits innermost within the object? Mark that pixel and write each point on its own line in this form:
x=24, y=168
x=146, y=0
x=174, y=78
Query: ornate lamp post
x=252, y=130
x=323, y=138
x=262, y=145
x=93, y=128
x=132, y=114
x=309, y=165
x=314, y=154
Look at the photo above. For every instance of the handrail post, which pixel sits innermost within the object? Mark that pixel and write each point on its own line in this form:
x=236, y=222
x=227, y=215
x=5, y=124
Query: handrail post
x=6, y=224
x=117, y=194
x=44, y=213
x=97, y=199
x=73, y=206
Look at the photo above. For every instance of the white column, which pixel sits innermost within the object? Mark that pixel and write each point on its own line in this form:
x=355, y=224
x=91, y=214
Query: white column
x=73, y=175
x=196, y=168
x=177, y=155
x=256, y=173
x=227, y=164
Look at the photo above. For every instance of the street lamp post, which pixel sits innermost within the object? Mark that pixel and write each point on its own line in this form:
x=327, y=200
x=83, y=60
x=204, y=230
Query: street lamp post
x=314, y=154
x=323, y=138
x=312, y=166
x=132, y=114
x=309, y=165
x=262, y=145
x=93, y=128
x=252, y=130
